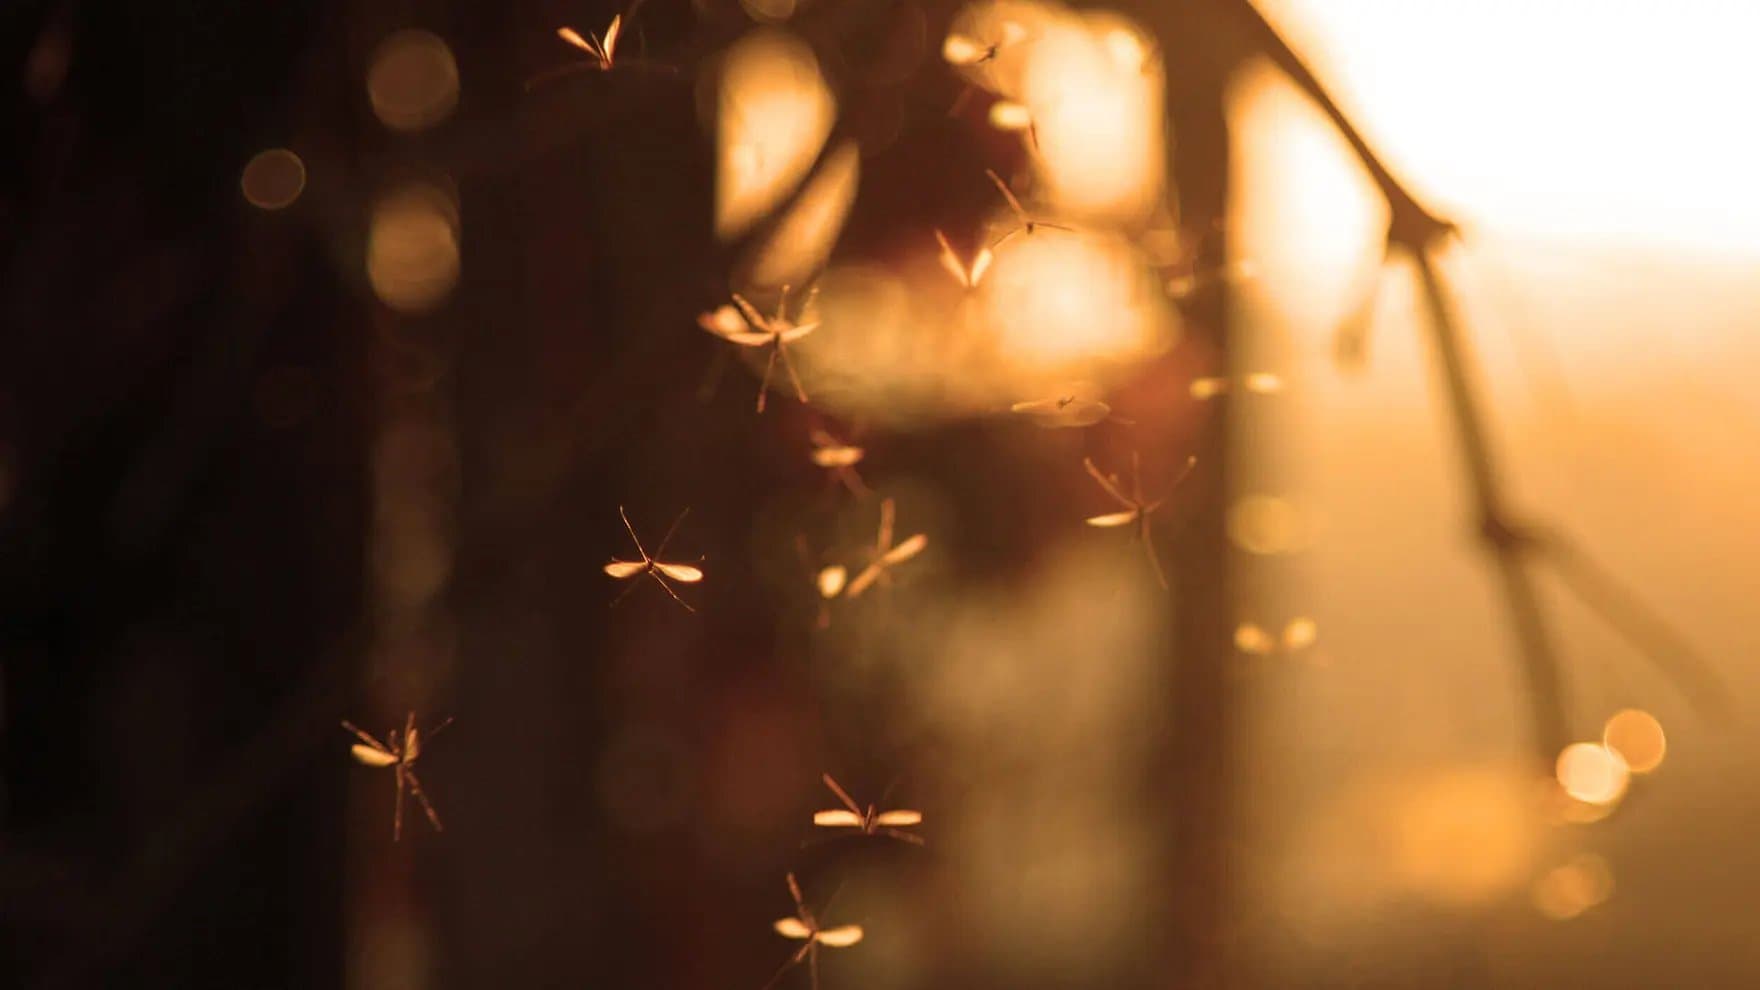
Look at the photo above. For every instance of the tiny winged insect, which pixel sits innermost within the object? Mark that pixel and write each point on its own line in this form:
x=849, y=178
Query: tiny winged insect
x=828, y=581
x=1256, y=383
x=602, y=49
x=1028, y=223
x=840, y=459
x=1137, y=509
x=885, y=555
x=964, y=50
x=652, y=565
x=742, y=324
x=400, y=754
x=1300, y=633
x=966, y=275
x=871, y=821
x=1073, y=405
x=805, y=927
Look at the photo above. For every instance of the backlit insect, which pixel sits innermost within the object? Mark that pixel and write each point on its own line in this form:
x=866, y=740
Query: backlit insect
x=966, y=275
x=1073, y=405
x=1300, y=633
x=885, y=555
x=651, y=565
x=400, y=753
x=1028, y=223
x=742, y=324
x=840, y=459
x=1257, y=383
x=1137, y=509
x=603, y=50
x=959, y=49
x=870, y=821
x=828, y=581
x=805, y=927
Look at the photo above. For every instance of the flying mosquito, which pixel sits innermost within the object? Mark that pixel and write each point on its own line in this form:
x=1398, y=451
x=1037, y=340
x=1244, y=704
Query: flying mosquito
x=840, y=459
x=601, y=51
x=1137, y=510
x=966, y=275
x=886, y=556
x=651, y=565
x=964, y=50
x=1257, y=383
x=1072, y=405
x=805, y=926
x=1028, y=223
x=870, y=821
x=1298, y=634
x=742, y=324
x=828, y=581
x=399, y=753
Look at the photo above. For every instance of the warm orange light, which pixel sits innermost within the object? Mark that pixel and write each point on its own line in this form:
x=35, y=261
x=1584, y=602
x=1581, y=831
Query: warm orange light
x=1266, y=524
x=774, y=112
x=1067, y=301
x=412, y=248
x=412, y=81
x=1592, y=773
x=1637, y=737
x=273, y=179
x=1566, y=891
x=1464, y=835
x=802, y=240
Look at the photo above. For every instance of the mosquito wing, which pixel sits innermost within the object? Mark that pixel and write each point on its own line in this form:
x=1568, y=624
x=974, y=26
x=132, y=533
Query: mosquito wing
x=862, y=580
x=681, y=572
x=837, y=818
x=835, y=457
x=792, y=928
x=841, y=936
x=899, y=818
x=981, y=264
x=1113, y=518
x=371, y=756
x=621, y=569
x=950, y=261
x=958, y=49
x=611, y=34
x=795, y=333
x=724, y=321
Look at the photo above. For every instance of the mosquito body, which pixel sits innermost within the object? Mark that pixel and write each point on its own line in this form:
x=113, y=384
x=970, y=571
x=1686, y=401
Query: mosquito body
x=885, y=555
x=869, y=820
x=399, y=752
x=1027, y=223
x=742, y=324
x=964, y=50
x=1137, y=508
x=652, y=566
x=805, y=927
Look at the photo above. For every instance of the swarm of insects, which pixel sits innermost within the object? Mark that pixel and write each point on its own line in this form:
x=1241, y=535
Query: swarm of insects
x=651, y=565
x=742, y=324
x=805, y=927
x=399, y=752
x=1025, y=222
x=1137, y=508
x=885, y=555
x=869, y=820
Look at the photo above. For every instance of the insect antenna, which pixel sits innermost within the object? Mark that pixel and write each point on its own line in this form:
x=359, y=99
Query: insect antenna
x=632, y=534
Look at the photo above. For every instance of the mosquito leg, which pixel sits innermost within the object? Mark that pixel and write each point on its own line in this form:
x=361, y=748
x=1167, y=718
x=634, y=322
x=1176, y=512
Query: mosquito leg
x=842, y=795
x=915, y=840
x=364, y=737
x=769, y=371
x=788, y=366
x=415, y=786
x=397, y=815
x=436, y=729
x=632, y=532
x=673, y=529
x=625, y=594
x=813, y=962
x=1154, y=559
x=662, y=581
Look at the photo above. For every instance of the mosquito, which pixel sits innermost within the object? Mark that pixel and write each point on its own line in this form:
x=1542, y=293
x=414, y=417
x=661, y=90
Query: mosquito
x=886, y=556
x=742, y=324
x=966, y=275
x=840, y=459
x=651, y=565
x=828, y=581
x=399, y=753
x=1065, y=409
x=1257, y=383
x=1300, y=633
x=602, y=49
x=870, y=821
x=964, y=50
x=1028, y=223
x=805, y=926
x=1137, y=509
